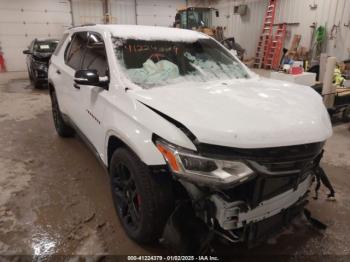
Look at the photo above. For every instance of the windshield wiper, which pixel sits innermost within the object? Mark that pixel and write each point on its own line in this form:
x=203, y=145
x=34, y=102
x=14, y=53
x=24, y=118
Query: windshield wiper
x=229, y=76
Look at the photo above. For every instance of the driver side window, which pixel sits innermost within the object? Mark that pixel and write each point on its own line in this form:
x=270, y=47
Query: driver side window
x=76, y=50
x=95, y=55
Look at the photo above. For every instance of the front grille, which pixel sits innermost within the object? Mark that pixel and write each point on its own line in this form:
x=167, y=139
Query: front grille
x=282, y=168
x=272, y=154
x=278, y=169
x=270, y=186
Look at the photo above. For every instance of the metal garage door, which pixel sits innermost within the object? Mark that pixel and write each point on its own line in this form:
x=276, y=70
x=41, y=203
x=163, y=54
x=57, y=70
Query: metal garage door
x=87, y=12
x=21, y=21
x=123, y=12
x=161, y=13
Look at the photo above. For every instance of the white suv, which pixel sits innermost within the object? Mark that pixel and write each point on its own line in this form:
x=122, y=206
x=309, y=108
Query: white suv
x=194, y=142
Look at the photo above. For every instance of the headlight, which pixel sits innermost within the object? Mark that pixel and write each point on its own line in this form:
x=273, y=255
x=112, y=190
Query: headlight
x=189, y=165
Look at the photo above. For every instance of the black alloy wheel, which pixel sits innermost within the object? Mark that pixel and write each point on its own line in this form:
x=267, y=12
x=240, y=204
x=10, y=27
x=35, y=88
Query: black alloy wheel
x=143, y=200
x=126, y=195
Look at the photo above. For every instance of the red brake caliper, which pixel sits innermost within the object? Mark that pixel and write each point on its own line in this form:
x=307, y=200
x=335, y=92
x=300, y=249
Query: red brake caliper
x=138, y=197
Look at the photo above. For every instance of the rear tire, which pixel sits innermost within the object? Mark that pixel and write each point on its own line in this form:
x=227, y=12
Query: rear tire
x=143, y=201
x=30, y=76
x=346, y=114
x=63, y=129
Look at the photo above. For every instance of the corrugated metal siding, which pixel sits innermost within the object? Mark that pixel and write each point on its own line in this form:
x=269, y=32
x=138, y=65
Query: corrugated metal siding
x=246, y=29
x=295, y=12
x=243, y=31
x=328, y=13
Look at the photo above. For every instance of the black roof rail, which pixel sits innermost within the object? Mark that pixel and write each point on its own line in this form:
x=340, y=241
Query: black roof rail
x=89, y=24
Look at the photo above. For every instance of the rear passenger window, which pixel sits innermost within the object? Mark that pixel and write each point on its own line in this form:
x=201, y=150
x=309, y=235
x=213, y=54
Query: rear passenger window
x=59, y=46
x=76, y=50
x=95, y=56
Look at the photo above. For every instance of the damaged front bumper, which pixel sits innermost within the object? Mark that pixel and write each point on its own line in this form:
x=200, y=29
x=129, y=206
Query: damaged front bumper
x=236, y=214
x=252, y=210
x=235, y=221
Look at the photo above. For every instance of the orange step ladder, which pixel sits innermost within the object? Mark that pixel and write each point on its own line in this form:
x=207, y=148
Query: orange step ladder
x=265, y=40
x=273, y=59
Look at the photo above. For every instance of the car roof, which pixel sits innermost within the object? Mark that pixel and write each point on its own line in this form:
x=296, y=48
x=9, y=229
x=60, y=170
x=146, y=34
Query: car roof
x=46, y=40
x=142, y=32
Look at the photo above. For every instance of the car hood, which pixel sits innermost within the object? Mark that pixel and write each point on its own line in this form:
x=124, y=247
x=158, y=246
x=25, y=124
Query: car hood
x=247, y=113
x=42, y=57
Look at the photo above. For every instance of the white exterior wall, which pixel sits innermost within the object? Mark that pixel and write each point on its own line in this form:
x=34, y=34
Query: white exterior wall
x=21, y=21
x=246, y=29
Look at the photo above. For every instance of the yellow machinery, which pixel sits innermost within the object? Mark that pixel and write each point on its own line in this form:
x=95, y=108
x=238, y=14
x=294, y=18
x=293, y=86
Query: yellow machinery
x=197, y=18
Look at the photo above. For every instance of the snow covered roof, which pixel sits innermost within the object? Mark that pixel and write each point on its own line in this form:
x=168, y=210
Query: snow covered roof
x=143, y=32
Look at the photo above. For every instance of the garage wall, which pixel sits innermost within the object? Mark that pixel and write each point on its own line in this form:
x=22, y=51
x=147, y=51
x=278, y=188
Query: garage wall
x=142, y=12
x=123, y=12
x=21, y=21
x=327, y=13
x=246, y=29
x=87, y=11
x=159, y=13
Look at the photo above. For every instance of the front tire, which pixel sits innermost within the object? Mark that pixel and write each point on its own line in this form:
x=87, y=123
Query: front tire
x=143, y=200
x=33, y=80
x=37, y=84
x=62, y=128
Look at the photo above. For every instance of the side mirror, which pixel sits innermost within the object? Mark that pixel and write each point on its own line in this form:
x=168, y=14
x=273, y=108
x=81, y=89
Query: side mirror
x=27, y=52
x=234, y=52
x=90, y=77
x=217, y=13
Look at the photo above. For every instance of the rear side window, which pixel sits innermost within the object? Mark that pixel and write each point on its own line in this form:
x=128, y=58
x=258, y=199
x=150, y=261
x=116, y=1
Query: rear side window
x=76, y=50
x=66, y=52
x=60, y=43
x=95, y=56
x=31, y=45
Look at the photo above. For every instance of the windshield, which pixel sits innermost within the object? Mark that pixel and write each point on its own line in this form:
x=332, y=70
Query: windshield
x=158, y=63
x=45, y=46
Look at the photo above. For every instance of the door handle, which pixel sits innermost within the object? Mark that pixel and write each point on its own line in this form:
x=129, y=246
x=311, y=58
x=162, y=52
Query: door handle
x=58, y=72
x=76, y=86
